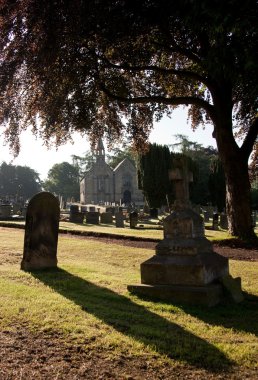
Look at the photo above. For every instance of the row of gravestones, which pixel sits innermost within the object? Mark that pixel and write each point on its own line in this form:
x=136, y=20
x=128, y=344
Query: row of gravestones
x=218, y=219
x=9, y=210
x=41, y=232
x=93, y=217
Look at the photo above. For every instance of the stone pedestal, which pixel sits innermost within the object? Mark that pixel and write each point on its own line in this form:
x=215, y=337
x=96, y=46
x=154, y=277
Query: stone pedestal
x=209, y=295
x=185, y=269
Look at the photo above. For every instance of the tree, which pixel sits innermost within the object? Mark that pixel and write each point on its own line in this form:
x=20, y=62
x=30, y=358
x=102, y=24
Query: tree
x=18, y=182
x=88, y=65
x=202, y=158
x=119, y=153
x=153, y=168
x=63, y=179
x=217, y=185
x=83, y=163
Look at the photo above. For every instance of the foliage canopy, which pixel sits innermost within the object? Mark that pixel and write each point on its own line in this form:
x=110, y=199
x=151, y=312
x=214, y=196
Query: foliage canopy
x=90, y=65
x=66, y=66
x=18, y=182
x=63, y=179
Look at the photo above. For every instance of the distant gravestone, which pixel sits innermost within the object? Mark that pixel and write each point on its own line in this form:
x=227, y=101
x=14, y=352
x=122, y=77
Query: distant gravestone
x=106, y=218
x=84, y=209
x=75, y=215
x=215, y=221
x=5, y=210
x=133, y=219
x=223, y=221
x=92, y=217
x=110, y=209
x=41, y=232
x=206, y=216
x=119, y=217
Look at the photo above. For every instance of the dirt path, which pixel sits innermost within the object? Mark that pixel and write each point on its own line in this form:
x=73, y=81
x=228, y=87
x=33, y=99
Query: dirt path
x=232, y=252
x=45, y=356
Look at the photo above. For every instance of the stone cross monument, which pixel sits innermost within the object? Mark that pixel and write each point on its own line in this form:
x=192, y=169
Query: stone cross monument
x=181, y=177
x=185, y=269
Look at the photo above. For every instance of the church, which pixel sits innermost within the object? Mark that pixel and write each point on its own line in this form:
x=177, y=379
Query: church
x=103, y=185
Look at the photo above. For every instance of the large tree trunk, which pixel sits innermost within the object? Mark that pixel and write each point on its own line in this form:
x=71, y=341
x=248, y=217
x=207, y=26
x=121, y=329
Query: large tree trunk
x=235, y=163
x=238, y=199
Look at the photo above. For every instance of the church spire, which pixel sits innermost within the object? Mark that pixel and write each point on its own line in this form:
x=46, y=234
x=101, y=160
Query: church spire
x=100, y=151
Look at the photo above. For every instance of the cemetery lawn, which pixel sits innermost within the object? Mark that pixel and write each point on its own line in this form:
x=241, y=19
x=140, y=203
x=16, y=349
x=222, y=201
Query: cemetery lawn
x=80, y=322
x=151, y=232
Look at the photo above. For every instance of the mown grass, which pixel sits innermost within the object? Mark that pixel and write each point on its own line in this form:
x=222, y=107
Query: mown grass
x=154, y=232
x=87, y=301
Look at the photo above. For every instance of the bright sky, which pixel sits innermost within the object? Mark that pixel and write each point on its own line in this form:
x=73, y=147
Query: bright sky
x=35, y=155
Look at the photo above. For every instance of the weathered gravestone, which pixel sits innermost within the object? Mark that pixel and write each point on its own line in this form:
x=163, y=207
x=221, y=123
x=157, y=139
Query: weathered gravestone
x=185, y=268
x=119, y=218
x=133, y=219
x=41, y=232
x=75, y=215
x=92, y=217
x=215, y=221
x=106, y=218
x=5, y=211
x=223, y=221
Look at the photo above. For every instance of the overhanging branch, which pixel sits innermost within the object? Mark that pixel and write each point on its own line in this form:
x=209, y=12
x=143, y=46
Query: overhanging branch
x=173, y=101
x=166, y=71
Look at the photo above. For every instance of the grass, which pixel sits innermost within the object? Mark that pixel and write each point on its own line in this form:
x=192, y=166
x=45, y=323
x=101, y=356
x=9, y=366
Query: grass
x=148, y=231
x=87, y=301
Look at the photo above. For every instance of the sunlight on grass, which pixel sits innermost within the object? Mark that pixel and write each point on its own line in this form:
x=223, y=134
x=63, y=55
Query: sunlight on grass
x=153, y=232
x=87, y=300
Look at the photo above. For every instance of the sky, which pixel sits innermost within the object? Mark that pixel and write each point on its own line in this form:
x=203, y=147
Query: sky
x=35, y=155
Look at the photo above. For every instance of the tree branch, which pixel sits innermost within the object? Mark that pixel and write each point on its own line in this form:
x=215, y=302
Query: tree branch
x=180, y=73
x=249, y=141
x=178, y=100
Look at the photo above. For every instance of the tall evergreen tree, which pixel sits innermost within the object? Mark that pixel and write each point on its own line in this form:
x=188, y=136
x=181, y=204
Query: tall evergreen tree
x=153, y=168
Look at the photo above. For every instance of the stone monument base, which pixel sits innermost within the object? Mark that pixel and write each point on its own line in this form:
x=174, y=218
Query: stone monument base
x=208, y=295
x=190, y=270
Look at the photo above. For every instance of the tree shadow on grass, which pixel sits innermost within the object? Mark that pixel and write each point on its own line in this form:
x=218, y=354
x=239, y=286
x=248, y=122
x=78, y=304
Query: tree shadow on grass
x=239, y=316
x=135, y=321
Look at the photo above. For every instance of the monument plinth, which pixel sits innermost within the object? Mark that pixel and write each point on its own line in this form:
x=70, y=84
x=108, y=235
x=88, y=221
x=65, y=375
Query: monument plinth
x=184, y=268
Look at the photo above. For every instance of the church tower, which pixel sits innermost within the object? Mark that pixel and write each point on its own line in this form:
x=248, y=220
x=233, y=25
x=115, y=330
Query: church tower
x=99, y=151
